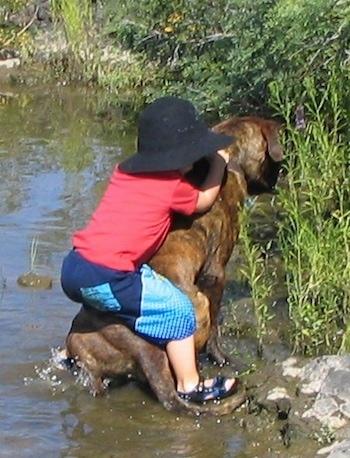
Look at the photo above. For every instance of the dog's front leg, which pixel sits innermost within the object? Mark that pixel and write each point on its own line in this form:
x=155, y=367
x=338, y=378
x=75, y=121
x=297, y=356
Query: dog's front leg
x=154, y=363
x=218, y=355
x=212, y=285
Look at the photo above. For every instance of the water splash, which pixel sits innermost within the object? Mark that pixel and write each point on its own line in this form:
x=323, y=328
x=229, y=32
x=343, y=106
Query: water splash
x=57, y=372
x=51, y=372
x=59, y=359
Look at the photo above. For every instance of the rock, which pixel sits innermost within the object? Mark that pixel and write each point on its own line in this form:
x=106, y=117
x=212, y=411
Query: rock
x=326, y=411
x=290, y=367
x=33, y=280
x=33, y=14
x=279, y=400
x=337, y=383
x=336, y=450
x=10, y=63
x=327, y=380
x=315, y=373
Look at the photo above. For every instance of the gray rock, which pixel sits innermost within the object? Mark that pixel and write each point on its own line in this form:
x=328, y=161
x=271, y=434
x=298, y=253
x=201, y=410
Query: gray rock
x=10, y=63
x=327, y=379
x=336, y=450
x=337, y=383
x=314, y=373
x=345, y=410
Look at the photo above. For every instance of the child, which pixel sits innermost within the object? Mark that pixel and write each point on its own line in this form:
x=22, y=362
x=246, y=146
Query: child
x=107, y=268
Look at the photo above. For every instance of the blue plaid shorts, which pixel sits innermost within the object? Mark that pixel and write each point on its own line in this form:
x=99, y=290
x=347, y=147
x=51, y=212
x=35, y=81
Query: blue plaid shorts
x=145, y=301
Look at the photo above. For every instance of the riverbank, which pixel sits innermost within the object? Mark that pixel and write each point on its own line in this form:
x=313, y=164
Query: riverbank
x=308, y=401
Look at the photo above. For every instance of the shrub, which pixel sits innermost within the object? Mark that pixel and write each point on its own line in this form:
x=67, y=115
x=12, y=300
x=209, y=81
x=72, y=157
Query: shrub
x=224, y=54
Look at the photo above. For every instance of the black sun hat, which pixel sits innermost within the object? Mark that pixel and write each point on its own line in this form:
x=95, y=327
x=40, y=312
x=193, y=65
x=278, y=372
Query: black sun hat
x=171, y=136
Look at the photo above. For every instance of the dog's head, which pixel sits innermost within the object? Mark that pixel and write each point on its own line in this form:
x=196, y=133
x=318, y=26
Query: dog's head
x=255, y=150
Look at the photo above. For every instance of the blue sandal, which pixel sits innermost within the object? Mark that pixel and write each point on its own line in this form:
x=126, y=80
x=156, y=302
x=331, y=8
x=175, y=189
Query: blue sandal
x=216, y=391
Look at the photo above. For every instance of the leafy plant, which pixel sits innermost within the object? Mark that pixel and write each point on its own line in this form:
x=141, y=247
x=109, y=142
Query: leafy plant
x=224, y=54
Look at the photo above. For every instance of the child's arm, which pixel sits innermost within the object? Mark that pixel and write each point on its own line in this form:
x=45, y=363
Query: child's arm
x=210, y=188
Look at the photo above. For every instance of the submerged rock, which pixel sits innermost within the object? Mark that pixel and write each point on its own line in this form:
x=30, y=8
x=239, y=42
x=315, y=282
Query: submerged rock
x=33, y=280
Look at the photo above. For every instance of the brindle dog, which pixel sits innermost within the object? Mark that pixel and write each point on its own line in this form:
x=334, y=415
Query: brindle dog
x=194, y=257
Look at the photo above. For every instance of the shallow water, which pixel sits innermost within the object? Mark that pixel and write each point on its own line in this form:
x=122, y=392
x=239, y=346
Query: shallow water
x=58, y=146
x=56, y=153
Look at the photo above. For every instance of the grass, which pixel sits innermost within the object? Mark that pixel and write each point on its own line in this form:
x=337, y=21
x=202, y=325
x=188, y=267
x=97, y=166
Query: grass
x=314, y=231
x=314, y=236
x=82, y=57
x=33, y=254
x=77, y=18
x=256, y=272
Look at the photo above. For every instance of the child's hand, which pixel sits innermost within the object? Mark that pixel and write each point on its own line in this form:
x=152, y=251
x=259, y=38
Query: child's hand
x=224, y=154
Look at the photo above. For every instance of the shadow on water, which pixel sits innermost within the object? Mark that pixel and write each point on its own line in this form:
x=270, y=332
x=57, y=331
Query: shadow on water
x=56, y=152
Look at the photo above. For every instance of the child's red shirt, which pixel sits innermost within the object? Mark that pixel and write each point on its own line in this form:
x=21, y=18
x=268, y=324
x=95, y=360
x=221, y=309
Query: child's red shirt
x=133, y=218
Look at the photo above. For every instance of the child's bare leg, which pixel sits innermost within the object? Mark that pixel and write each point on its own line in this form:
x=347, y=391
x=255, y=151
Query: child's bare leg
x=182, y=357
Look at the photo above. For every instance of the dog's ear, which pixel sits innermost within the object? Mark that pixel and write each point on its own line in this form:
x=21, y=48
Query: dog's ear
x=270, y=130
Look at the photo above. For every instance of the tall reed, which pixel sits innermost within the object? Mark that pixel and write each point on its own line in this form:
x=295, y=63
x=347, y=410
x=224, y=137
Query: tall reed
x=314, y=234
x=256, y=272
x=33, y=253
x=76, y=17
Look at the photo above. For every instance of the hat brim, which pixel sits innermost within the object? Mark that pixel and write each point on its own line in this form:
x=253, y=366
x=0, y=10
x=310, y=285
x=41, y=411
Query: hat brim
x=183, y=156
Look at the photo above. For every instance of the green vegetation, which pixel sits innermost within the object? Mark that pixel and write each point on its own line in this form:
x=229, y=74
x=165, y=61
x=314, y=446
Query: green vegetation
x=223, y=54
x=13, y=36
x=82, y=54
x=269, y=57
x=314, y=234
x=257, y=273
x=77, y=20
x=33, y=254
x=93, y=58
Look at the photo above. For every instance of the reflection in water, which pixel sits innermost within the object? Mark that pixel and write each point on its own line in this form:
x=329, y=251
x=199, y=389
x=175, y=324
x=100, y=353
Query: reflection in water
x=54, y=160
x=55, y=157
